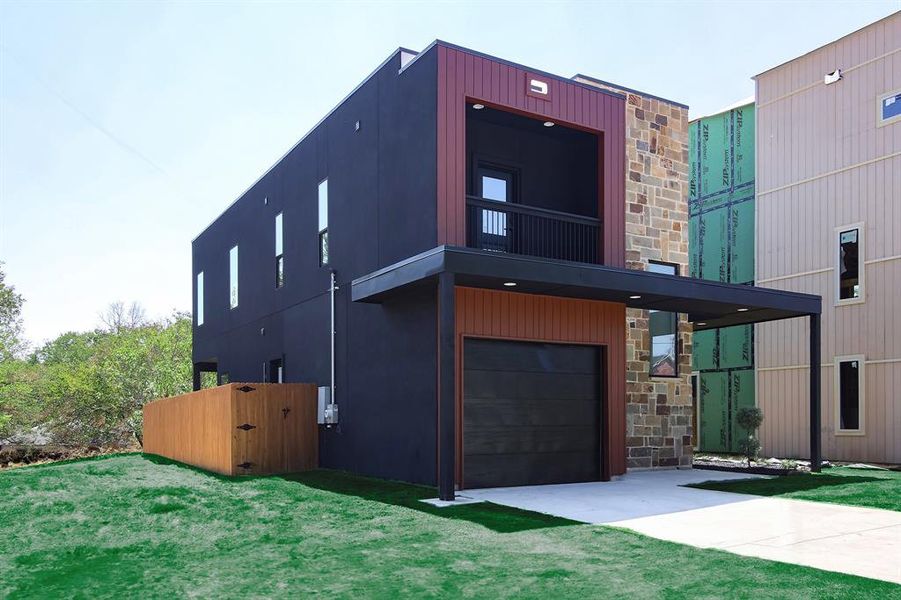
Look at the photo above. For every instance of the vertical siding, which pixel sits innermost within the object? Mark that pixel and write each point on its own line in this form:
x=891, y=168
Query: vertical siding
x=528, y=317
x=462, y=76
x=823, y=162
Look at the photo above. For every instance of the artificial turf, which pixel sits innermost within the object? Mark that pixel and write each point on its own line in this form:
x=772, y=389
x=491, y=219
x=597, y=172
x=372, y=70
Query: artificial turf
x=143, y=526
x=873, y=488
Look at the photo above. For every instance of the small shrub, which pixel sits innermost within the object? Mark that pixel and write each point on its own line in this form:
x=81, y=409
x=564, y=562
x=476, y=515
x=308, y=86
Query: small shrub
x=750, y=419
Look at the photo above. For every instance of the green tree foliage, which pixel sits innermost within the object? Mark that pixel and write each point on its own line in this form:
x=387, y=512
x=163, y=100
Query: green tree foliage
x=89, y=388
x=11, y=344
x=96, y=383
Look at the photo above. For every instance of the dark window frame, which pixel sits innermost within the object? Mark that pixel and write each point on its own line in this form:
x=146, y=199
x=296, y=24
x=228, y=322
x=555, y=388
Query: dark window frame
x=280, y=256
x=674, y=327
x=323, y=231
x=855, y=395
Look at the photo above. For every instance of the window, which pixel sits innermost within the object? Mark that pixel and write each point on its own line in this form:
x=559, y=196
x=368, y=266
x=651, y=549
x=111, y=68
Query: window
x=663, y=328
x=276, y=371
x=233, y=277
x=279, y=252
x=849, y=389
x=849, y=274
x=198, y=310
x=323, y=222
x=888, y=109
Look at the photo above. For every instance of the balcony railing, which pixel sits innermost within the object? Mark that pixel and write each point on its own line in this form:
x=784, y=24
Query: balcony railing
x=529, y=230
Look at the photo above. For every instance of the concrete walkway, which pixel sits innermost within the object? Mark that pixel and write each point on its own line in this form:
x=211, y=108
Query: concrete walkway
x=845, y=539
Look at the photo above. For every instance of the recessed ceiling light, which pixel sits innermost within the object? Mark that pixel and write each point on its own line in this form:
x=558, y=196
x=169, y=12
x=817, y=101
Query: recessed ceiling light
x=478, y=106
x=548, y=123
x=742, y=310
x=634, y=297
x=510, y=284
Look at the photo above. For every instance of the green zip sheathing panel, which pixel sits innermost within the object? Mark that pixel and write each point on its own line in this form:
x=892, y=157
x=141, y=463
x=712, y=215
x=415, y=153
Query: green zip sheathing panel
x=721, y=248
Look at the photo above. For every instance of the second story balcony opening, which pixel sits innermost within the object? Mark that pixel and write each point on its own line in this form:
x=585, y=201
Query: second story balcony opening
x=532, y=187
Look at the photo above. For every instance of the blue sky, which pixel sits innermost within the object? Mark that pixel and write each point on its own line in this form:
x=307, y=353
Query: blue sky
x=125, y=128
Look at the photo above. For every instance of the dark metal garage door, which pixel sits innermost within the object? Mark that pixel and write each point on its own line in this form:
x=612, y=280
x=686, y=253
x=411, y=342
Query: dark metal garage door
x=531, y=413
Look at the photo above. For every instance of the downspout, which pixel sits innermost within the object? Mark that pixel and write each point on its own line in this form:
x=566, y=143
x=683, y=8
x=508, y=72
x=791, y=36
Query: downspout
x=331, y=411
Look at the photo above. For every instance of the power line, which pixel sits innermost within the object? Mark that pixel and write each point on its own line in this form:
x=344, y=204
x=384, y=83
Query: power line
x=74, y=108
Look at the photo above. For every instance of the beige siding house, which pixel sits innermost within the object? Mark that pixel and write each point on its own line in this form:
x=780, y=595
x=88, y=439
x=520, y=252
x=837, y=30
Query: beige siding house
x=829, y=223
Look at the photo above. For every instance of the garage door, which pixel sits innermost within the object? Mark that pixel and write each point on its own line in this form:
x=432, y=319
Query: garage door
x=531, y=413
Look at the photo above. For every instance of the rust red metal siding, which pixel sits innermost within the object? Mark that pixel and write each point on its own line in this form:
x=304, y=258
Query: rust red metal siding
x=529, y=317
x=464, y=76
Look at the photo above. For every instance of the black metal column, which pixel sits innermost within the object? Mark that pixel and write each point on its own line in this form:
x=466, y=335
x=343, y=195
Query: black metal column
x=196, y=377
x=447, y=412
x=815, y=376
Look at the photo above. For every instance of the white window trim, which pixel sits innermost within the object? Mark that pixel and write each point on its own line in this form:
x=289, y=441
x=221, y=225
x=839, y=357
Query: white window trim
x=200, y=297
x=318, y=206
x=279, y=234
x=237, y=252
x=861, y=267
x=861, y=388
x=880, y=122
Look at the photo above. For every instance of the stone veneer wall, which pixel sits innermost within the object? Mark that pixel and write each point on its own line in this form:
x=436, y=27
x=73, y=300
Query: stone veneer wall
x=659, y=411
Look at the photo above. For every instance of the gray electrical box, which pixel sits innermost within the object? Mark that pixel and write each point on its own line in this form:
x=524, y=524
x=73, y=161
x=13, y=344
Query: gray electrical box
x=325, y=398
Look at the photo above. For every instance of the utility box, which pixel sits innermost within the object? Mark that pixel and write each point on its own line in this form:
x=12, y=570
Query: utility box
x=324, y=399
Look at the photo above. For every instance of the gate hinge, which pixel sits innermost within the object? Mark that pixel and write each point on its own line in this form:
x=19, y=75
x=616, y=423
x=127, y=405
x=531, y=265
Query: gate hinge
x=247, y=426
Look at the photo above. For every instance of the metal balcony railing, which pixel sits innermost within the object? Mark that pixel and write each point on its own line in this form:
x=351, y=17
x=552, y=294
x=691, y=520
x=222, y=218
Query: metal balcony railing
x=533, y=231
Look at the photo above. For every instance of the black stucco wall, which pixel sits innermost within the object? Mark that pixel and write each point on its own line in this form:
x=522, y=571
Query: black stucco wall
x=382, y=190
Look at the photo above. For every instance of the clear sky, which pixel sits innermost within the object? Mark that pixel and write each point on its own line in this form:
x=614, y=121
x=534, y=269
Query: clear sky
x=126, y=127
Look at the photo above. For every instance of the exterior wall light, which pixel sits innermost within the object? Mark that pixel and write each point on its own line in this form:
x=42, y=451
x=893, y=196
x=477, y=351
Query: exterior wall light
x=478, y=106
x=548, y=123
x=509, y=284
x=742, y=310
x=701, y=324
x=636, y=297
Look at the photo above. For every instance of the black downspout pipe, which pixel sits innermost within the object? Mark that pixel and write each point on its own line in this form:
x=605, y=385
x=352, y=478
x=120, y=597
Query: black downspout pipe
x=446, y=396
x=815, y=376
x=196, y=379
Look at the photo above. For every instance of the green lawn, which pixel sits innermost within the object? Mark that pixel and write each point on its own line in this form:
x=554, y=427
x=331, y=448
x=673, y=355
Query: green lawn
x=136, y=526
x=841, y=485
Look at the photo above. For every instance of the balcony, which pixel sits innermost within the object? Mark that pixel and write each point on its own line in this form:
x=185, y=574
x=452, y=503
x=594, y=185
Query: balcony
x=532, y=231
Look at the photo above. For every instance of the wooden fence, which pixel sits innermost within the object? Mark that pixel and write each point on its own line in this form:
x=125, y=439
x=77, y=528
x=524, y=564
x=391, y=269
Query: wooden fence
x=237, y=429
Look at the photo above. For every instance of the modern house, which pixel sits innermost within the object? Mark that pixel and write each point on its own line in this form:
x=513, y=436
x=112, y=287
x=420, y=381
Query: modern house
x=486, y=263
x=721, y=231
x=829, y=223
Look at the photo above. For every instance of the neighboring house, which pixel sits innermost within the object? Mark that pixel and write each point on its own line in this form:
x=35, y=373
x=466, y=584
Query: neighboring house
x=507, y=246
x=721, y=228
x=829, y=223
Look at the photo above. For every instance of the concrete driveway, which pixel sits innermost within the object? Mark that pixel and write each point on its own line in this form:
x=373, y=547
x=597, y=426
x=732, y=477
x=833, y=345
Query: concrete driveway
x=845, y=539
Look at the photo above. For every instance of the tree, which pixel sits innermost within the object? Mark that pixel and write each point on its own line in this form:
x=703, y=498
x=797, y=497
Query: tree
x=750, y=419
x=11, y=343
x=118, y=317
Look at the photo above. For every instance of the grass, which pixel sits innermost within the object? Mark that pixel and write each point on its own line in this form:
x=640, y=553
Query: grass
x=141, y=526
x=871, y=488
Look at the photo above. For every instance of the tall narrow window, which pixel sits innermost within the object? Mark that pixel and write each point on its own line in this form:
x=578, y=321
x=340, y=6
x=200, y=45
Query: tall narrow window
x=323, y=222
x=198, y=310
x=233, y=277
x=849, y=261
x=663, y=330
x=849, y=392
x=279, y=252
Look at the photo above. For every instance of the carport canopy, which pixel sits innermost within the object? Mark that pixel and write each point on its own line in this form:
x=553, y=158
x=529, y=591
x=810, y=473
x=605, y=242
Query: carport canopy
x=708, y=304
